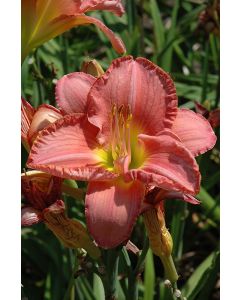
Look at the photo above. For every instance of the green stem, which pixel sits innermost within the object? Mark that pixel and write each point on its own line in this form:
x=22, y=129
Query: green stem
x=70, y=289
x=109, y=279
x=169, y=267
x=132, y=277
x=142, y=257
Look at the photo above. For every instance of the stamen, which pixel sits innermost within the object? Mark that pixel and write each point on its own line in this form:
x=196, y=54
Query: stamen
x=120, y=136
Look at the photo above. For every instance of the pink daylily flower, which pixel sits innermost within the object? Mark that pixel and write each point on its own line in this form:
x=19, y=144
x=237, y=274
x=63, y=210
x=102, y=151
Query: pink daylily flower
x=123, y=132
x=43, y=20
x=33, y=120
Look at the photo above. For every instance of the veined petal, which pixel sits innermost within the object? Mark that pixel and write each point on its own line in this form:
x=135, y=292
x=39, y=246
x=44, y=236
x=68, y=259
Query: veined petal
x=44, y=115
x=146, y=89
x=111, y=210
x=194, y=131
x=48, y=10
x=66, y=149
x=65, y=22
x=30, y=216
x=114, y=6
x=72, y=91
x=168, y=165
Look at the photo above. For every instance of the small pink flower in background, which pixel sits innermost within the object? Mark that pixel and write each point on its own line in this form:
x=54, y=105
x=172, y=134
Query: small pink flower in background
x=123, y=133
x=213, y=116
x=33, y=120
x=43, y=20
x=42, y=192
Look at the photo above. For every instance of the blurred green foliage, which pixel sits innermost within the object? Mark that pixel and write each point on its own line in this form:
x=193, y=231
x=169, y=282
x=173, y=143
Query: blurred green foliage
x=168, y=33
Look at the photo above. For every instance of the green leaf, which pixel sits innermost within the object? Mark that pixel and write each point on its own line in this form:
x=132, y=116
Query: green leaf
x=98, y=288
x=209, y=204
x=149, y=277
x=158, y=27
x=200, y=277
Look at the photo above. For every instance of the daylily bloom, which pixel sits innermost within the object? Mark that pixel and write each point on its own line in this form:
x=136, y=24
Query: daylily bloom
x=123, y=133
x=33, y=120
x=43, y=20
x=42, y=193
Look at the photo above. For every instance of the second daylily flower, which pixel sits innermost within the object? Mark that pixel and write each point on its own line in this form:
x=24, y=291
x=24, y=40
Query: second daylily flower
x=43, y=20
x=123, y=133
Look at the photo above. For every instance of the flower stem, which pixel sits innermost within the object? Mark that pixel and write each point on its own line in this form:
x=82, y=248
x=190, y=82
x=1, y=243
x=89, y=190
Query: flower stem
x=132, y=278
x=169, y=267
x=109, y=279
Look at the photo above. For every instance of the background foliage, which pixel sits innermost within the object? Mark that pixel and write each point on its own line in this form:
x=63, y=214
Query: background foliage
x=170, y=34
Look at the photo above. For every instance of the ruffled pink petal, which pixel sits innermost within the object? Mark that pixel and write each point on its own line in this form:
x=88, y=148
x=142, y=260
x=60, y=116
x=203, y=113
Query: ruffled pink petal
x=44, y=115
x=146, y=89
x=72, y=91
x=194, y=131
x=168, y=165
x=30, y=216
x=115, y=6
x=66, y=149
x=111, y=210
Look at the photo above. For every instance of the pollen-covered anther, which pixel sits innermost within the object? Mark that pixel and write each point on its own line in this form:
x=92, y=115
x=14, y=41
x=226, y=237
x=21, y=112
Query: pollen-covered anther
x=120, y=136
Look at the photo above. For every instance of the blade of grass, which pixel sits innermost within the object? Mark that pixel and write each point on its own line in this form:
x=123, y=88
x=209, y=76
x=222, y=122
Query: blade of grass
x=200, y=277
x=205, y=71
x=149, y=277
x=209, y=204
x=158, y=27
x=166, y=61
x=98, y=289
x=177, y=227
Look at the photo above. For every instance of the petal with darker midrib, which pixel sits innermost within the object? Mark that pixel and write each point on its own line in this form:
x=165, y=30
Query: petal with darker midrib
x=72, y=90
x=66, y=149
x=112, y=209
x=145, y=88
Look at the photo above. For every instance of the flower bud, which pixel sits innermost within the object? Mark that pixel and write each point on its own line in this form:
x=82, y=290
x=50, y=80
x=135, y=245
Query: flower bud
x=92, y=67
x=159, y=237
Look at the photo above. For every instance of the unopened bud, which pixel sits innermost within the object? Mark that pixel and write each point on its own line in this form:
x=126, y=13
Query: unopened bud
x=159, y=237
x=92, y=67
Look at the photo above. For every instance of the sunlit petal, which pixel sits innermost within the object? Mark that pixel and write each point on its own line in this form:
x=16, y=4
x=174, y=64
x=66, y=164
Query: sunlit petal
x=140, y=85
x=66, y=149
x=111, y=210
x=72, y=91
x=194, y=131
x=168, y=165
